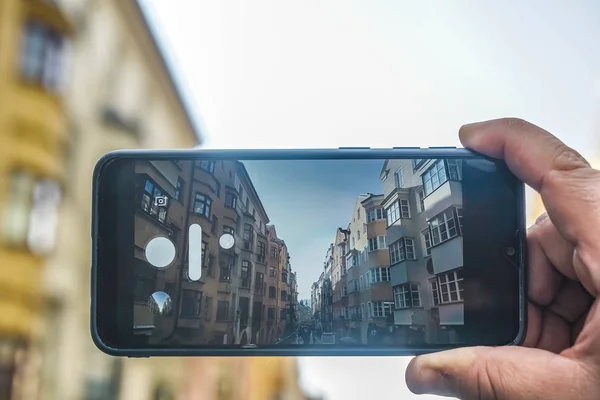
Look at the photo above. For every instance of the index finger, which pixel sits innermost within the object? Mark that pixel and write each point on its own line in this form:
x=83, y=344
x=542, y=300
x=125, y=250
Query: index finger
x=529, y=151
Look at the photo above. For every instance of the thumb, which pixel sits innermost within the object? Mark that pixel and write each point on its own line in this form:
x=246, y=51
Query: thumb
x=500, y=373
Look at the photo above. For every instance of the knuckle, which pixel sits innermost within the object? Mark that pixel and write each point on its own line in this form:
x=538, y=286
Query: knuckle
x=568, y=166
x=542, y=219
x=566, y=158
x=488, y=380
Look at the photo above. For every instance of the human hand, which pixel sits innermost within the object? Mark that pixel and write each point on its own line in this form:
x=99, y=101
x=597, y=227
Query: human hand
x=560, y=358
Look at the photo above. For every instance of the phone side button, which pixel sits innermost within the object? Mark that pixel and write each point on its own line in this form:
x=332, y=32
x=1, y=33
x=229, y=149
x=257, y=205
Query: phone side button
x=354, y=148
x=441, y=147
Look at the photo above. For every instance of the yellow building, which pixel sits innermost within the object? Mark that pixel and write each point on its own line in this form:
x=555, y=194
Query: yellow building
x=120, y=94
x=257, y=378
x=33, y=130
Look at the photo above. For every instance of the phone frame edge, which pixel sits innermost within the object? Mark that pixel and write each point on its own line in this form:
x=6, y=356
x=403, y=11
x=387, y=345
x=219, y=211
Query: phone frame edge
x=284, y=154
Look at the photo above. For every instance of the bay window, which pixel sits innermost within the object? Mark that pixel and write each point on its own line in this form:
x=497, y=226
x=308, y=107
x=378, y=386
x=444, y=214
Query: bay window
x=376, y=214
x=444, y=227
x=447, y=287
x=407, y=296
x=439, y=173
x=380, y=308
x=376, y=275
x=42, y=56
x=403, y=249
x=377, y=243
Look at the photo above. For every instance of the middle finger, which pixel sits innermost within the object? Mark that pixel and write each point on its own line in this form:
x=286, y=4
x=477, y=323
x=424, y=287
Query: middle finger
x=550, y=259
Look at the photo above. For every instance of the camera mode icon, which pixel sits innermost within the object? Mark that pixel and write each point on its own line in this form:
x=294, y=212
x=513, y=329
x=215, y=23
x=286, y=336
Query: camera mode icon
x=161, y=201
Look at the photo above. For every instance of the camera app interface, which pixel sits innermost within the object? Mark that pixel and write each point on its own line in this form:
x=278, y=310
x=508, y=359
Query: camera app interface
x=299, y=252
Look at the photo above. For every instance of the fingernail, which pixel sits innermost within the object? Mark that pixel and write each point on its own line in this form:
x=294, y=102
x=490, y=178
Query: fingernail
x=469, y=134
x=425, y=378
x=473, y=128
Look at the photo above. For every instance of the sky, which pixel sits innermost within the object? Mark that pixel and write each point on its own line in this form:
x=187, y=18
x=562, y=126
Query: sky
x=380, y=73
x=307, y=201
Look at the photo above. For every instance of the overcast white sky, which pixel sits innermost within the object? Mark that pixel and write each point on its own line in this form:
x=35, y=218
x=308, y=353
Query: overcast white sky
x=272, y=73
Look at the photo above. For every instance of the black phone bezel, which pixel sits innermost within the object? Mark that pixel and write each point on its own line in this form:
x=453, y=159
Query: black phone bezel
x=103, y=305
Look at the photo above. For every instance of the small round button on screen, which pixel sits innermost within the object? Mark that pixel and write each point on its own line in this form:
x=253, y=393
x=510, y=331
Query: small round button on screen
x=226, y=241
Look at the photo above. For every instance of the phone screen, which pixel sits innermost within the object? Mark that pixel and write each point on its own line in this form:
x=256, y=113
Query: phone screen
x=320, y=253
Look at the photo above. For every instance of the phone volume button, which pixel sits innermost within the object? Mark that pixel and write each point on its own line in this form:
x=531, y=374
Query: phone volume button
x=354, y=148
x=441, y=147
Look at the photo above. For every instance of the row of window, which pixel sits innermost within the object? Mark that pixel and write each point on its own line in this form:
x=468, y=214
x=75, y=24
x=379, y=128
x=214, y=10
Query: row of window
x=193, y=305
x=371, y=309
x=444, y=288
x=227, y=263
x=372, y=276
x=435, y=176
x=442, y=228
x=439, y=173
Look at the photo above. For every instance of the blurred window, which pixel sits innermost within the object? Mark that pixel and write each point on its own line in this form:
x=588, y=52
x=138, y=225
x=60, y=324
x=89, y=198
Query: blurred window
x=42, y=57
x=30, y=215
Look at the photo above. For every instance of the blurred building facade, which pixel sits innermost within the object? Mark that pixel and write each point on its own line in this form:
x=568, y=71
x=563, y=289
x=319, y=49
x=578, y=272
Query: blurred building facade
x=58, y=119
x=257, y=378
x=33, y=129
x=120, y=95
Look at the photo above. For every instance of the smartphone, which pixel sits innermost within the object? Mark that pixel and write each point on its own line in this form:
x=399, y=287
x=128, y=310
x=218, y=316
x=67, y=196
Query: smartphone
x=350, y=251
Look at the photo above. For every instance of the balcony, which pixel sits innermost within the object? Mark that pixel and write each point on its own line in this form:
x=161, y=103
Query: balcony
x=411, y=316
x=447, y=195
x=377, y=258
x=409, y=271
x=399, y=273
x=452, y=314
x=447, y=255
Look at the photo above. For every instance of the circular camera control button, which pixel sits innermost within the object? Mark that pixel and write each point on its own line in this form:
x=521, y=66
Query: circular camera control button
x=160, y=252
x=226, y=241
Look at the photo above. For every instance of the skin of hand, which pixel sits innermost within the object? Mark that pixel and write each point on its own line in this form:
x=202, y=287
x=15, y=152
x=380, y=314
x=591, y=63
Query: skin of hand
x=560, y=358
